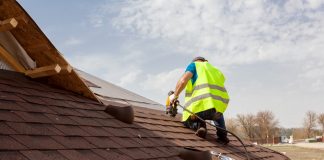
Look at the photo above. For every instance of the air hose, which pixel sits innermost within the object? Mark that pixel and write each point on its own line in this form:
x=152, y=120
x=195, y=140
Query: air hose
x=246, y=152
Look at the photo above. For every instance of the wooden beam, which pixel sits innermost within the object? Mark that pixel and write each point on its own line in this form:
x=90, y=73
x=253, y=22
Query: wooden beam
x=10, y=60
x=67, y=69
x=44, y=71
x=8, y=24
x=22, y=19
x=38, y=47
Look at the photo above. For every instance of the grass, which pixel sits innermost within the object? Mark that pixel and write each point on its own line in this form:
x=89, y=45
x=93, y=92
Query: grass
x=299, y=153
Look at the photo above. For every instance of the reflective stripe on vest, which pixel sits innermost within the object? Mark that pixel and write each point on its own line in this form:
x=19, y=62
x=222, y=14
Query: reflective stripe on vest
x=206, y=85
x=208, y=91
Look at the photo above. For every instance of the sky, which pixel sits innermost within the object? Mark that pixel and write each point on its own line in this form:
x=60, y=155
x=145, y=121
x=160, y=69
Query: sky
x=271, y=51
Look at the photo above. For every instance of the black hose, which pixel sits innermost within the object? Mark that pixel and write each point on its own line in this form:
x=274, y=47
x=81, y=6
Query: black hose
x=246, y=152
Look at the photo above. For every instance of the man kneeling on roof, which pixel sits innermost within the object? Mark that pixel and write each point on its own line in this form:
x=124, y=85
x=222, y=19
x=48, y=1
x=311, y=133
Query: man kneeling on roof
x=205, y=96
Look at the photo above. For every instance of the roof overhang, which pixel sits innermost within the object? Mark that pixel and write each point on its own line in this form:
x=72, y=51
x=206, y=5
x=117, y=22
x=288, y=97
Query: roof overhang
x=52, y=68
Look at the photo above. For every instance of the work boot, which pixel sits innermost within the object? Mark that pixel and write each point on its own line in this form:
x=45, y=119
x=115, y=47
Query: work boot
x=223, y=140
x=201, y=132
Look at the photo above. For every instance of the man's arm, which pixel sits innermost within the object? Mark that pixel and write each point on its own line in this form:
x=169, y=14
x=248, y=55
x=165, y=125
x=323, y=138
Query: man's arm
x=182, y=83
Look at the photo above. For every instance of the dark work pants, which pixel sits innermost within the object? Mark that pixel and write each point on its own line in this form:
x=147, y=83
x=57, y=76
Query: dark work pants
x=207, y=115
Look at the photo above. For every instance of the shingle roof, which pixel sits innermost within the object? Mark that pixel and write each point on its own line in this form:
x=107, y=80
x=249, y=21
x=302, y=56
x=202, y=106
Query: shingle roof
x=41, y=122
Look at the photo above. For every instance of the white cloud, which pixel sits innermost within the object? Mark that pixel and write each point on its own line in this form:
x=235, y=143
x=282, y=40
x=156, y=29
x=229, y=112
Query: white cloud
x=130, y=78
x=108, y=66
x=237, y=32
x=72, y=41
x=162, y=82
x=314, y=4
x=96, y=21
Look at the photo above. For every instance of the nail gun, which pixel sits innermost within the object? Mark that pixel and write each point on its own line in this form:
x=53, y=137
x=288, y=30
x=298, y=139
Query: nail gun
x=171, y=108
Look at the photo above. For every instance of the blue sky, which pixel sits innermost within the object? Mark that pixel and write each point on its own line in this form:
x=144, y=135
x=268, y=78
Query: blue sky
x=270, y=51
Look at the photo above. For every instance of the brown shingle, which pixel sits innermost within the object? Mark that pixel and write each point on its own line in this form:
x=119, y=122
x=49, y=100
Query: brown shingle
x=110, y=154
x=31, y=99
x=82, y=105
x=5, y=129
x=153, y=152
x=10, y=97
x=65, y=111
x=91, y=113
x=57, y=119
x=135, y=153
x=103, y=142
x=34, y=154
x=10, y=105
x=85, y=121
x=73, y=142
x=118, y=132
x=9, y=116
x=35, y=108
x=72, y=155
x=34, y=128
x=33, y=117
x=96, y=131
x=38, y=142
x=54, y=155
x=107, y=122
x=8, y=143
x=11, y=155
x=80, y=155
x=126, y=142
x=70, y=130
x=54, y=102
x=144, y=142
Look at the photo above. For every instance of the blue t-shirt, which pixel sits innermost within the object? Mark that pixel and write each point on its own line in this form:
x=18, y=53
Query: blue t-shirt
x=192, y=68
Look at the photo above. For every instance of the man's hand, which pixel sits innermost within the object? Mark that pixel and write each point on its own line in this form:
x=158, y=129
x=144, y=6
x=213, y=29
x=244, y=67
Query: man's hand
x=173, y=98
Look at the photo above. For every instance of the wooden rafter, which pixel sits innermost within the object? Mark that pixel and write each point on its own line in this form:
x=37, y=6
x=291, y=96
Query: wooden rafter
x=67, y=69
x=28, y=34
x=44, y=71
x=10, y=60
x=8, y=24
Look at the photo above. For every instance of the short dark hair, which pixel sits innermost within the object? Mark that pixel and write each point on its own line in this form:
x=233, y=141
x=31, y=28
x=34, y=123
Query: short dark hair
x=199, y=58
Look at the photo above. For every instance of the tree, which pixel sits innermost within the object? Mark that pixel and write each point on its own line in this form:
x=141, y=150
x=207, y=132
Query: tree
x=267, y=125
x=247, y=123
x=320, y=121
x=232, y=125
x=309, y=123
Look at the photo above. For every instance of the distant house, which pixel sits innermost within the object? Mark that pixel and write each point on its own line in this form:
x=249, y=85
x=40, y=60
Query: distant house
x=50, y=111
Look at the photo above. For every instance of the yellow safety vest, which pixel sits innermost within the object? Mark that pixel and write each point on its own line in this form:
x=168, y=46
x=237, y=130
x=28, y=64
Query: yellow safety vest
x=207, y=92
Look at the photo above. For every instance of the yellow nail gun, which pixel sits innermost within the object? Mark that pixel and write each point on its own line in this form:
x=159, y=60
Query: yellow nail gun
x=171, y=108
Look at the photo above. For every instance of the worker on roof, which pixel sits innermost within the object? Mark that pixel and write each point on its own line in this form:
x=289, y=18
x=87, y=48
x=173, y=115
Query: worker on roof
x=205, y=96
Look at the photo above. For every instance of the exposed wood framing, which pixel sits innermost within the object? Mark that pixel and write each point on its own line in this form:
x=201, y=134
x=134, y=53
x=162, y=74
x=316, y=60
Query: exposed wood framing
x=8, y=24
x=10, y=60
x=22, y=19
x=41, y=50
x=38, y=47
x=44, y=71
x=67, y=69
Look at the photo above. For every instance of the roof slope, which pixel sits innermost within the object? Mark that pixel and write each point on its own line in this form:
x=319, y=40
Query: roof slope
x=109, y=92
x=41, y=122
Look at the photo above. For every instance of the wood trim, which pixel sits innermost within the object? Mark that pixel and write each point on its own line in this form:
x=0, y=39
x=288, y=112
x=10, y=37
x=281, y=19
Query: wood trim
x=44, y=71
x=22, y=19
x=67, y=69
x=8, y=24
x=10, y=60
